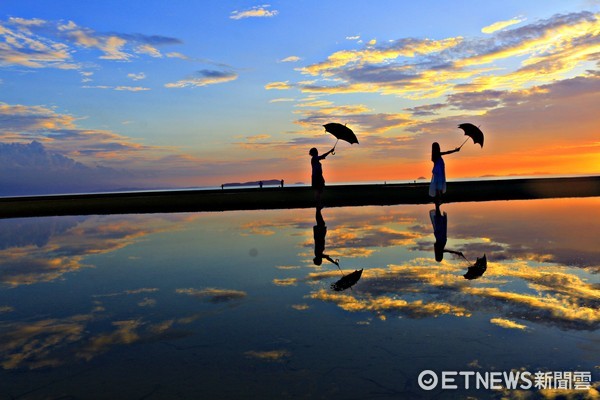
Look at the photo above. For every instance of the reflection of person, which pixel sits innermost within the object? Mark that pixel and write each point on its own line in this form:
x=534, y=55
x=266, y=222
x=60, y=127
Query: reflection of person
x=319, y=232
x=440, y=231
x=318, y=182
x=438, y=179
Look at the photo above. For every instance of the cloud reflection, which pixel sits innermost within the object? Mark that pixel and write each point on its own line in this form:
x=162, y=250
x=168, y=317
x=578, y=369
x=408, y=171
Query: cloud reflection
x=442, y=290
x=59, y=341
x=523, y=279
x=45, y=249
x=506, y=323
x=272, y=355
x=214, y=295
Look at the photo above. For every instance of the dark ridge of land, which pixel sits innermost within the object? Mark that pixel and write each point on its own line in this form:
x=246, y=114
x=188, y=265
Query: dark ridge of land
x=268, y=182
x=293, y=197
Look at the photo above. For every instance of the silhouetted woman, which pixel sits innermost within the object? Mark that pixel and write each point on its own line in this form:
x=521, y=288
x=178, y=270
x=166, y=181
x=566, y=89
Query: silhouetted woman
x=438, y=180
x=318, y=182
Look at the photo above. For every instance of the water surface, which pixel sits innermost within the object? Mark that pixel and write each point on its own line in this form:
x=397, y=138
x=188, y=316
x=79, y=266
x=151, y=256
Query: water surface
x=232, y=305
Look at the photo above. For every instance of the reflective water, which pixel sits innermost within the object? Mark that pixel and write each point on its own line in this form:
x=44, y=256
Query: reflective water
x=233, y=305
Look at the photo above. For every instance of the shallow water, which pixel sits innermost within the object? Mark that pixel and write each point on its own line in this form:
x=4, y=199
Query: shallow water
x=232, y=305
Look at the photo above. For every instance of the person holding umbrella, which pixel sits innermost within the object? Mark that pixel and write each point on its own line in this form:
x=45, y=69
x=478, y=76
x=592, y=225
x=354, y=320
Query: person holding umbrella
x=318, y=182
x=438, y=179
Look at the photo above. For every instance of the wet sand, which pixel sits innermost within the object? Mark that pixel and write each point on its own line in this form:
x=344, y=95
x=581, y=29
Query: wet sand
x=293, y=197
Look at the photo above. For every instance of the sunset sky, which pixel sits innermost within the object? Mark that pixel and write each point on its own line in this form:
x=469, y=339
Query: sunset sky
x=156, y=94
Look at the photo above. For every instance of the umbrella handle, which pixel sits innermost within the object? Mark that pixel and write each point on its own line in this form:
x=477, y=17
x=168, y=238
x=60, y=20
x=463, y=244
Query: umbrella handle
x=333, y=152
x=460, y=147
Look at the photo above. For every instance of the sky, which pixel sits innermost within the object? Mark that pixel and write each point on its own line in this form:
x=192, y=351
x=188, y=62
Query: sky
x=155, y=94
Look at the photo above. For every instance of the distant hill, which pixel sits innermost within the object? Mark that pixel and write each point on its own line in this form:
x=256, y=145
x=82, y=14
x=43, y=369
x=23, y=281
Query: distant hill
x=31, y=169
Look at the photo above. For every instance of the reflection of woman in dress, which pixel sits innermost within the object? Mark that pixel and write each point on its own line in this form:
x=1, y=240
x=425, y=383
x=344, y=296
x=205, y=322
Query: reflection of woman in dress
x=438, y=180
x=439, y=221
x=319, y=232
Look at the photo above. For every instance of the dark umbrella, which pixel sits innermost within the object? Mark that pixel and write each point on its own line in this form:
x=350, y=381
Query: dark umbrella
x=347, y=281
x=477, y=269
x=341, y=132
x=473, y=132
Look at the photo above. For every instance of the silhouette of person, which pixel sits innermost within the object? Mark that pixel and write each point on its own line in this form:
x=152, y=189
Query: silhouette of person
x=317, y=180
x=222, y=186
x=440, y=231
x=438, y=179
x=282, y=183
x=319, y=233
x=260, y=184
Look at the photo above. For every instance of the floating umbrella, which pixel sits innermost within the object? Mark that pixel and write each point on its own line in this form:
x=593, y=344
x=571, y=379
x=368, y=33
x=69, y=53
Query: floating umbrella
x=347, y=281
x=341, y=132
x=473, y=132
x=477, y=269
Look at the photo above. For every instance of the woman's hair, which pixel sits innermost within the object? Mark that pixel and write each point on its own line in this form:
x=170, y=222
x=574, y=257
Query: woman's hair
x=436, y=153
x=313, y=152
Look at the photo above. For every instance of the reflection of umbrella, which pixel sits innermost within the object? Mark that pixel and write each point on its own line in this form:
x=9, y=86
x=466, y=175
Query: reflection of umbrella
x=477, y=269
x=473, y=132
x=341, y=132
x=347, y=281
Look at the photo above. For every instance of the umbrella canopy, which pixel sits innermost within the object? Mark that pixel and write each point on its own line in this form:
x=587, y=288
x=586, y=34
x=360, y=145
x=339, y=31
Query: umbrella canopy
x=473, y=132
x=347, y=281
x=477, y=269
x=341, y=132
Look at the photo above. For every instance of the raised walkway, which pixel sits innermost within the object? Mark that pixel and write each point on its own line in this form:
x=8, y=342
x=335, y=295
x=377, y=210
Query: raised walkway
x=292, y=197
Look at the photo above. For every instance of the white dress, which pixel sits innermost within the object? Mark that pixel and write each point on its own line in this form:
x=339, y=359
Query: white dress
x=438, y=179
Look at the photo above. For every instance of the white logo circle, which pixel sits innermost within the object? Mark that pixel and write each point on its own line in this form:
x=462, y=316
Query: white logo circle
x=428, y=383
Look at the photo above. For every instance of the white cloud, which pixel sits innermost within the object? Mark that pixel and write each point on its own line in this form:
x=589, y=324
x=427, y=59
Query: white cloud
x=27, y=22
x=175, y=54
x=22, y=48
x=137, y=77
x=119, y=88
x=282, y=100
x=254, y=12
x=497, y=26
x=132, y=88
x=204, y=78
x=36, y=43
x=414, y=68
x=290, y=59
x=149, y=50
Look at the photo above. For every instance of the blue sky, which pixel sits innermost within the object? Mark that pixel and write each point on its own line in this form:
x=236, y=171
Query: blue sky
x=199, y=93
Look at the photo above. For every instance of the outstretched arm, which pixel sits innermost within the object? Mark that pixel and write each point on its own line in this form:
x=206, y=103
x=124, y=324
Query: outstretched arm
x=450, y=151
x=330, y=259
x=458, y=253
x=322, y=156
